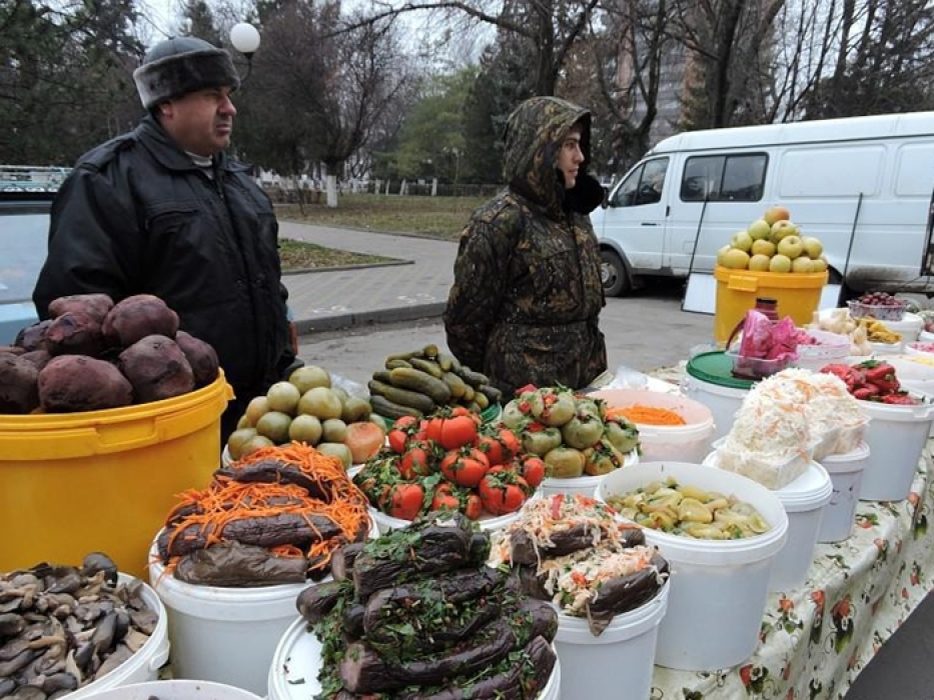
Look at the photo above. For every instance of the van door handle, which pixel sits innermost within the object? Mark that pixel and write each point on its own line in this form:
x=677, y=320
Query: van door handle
x=649, y=223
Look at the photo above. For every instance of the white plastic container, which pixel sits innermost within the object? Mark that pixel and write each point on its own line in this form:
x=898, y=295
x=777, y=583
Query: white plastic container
x=846, y=473
x=594, y=667
x=832, y=347
x=583, y=485
x=175, y=690
x=682, y=443
x=887, y=348
x=896, y=435
x=926, y=336
x=718, y=588
x=916, y=348
x=909, y=327
x=144, y=665
x=225, y=635
x=804, y=499
x=293, y=673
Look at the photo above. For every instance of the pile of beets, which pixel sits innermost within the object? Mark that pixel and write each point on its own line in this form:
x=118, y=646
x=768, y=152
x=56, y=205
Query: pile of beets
x=92, y=354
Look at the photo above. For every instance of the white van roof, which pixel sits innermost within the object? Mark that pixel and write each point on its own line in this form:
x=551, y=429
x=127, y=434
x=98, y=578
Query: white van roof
x=818, y=130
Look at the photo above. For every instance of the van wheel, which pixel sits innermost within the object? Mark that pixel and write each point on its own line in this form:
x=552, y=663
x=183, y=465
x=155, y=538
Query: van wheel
x=613, y=274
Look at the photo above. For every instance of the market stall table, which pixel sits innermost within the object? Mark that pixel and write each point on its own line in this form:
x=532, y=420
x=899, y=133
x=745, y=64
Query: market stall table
x=815, y=639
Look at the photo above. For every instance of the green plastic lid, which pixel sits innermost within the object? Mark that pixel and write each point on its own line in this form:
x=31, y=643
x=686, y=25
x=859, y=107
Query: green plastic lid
x=716, y=368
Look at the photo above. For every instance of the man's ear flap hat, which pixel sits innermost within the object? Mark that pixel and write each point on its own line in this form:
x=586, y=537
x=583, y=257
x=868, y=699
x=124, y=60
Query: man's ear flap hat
x=180, y=65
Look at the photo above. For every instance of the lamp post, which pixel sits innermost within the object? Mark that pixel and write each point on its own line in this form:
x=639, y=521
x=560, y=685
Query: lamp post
x=245, y=38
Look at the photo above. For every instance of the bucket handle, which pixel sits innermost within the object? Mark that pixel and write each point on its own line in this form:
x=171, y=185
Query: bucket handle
x=160, y=658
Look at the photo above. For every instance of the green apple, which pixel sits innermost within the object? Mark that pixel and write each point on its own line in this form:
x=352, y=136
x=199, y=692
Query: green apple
x=791, y=246
x=777, y=213
x=763, y=247
x=721, y=255
x=780, y=263
x=819, y=264
x=780, y=229
x=736, y=259
x=812, y=247
x=801, y=264
x=759, y=263
x=759, y=229
x=741, y=241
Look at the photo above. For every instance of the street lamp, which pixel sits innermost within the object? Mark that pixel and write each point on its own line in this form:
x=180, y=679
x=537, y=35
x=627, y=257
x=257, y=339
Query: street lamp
x=245, y=38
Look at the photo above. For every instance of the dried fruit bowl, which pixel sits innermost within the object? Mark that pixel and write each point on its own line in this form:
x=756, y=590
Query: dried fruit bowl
x=880, y=312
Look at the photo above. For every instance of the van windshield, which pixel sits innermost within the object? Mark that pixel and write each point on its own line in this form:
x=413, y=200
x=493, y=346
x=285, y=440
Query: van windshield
x=643, y=185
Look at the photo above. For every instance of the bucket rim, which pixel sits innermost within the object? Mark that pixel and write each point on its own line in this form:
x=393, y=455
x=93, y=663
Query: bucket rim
x=851, y=461
x=142, y=691
x=715, y=553
x=56, y=421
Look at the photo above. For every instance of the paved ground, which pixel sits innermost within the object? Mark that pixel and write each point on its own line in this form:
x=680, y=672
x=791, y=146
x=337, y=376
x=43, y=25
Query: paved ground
x=352, y=318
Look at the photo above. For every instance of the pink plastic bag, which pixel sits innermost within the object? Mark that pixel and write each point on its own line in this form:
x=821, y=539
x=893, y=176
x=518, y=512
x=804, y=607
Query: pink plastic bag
x=767, y=340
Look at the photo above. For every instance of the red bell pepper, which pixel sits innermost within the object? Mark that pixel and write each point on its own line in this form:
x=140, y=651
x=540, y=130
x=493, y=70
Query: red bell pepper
x=867, y=392
x=881, y=374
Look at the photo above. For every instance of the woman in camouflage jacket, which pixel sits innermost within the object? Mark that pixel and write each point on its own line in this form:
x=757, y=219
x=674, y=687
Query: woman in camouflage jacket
x=527, y=293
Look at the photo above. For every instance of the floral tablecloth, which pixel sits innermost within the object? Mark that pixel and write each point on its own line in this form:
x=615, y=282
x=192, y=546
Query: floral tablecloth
x=814, y=640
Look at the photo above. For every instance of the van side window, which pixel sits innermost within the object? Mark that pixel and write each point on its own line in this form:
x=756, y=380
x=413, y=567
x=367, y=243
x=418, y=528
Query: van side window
x=643, y=185
x=738, y=178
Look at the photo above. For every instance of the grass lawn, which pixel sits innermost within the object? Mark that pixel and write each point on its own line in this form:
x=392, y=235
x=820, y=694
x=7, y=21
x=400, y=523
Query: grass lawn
x=436, y=217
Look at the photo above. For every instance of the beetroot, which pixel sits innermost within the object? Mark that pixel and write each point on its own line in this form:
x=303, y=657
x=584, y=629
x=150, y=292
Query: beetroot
x=94, y=305
x=33, y=337
x=136, y=317
x=73, y=383
x=74, y=333
x=157, y=368
x=201, y=357
x=40, y=358
x=18, y=389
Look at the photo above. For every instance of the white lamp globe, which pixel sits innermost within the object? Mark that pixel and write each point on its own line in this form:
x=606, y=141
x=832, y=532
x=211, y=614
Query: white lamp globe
x=245, y=38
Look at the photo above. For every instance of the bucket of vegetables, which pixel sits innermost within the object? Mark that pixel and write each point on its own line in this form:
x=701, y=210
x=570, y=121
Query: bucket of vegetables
x=417, y=613
x=573, y=434
x=232, y=558
x=609, y=587
x=449, y=460
x=900, y=422
x=670, y=426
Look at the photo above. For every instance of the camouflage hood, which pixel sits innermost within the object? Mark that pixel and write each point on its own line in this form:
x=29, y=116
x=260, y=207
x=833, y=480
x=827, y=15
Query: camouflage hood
x=534, y=135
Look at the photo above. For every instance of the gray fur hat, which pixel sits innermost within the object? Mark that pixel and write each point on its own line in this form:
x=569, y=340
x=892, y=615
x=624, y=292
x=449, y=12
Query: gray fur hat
x=180, y=65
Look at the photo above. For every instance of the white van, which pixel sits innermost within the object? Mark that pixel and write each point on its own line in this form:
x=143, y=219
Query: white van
x=862, y=185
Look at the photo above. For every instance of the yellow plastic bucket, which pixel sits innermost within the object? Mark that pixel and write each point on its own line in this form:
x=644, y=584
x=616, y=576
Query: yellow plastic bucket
x=103, y=480
x=798, y=296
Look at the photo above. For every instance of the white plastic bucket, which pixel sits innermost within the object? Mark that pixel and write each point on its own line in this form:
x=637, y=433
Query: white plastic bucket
x=846, y=473
x=896, y=435
x=175, y=690
x=909, y=327
x=804, y=500
x=293, y=674
x=723, y=402
x=595, y=667
x=831, y=347
x=226, y=635
x=583, y=485
x=718, y=589
x=682, y=443
x=144, y=665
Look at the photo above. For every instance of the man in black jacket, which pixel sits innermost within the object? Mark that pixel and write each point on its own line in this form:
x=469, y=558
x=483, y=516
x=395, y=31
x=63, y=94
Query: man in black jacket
x=161, y=210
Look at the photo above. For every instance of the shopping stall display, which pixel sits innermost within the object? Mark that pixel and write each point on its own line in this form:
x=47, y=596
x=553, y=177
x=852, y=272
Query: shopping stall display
x=620, y=520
